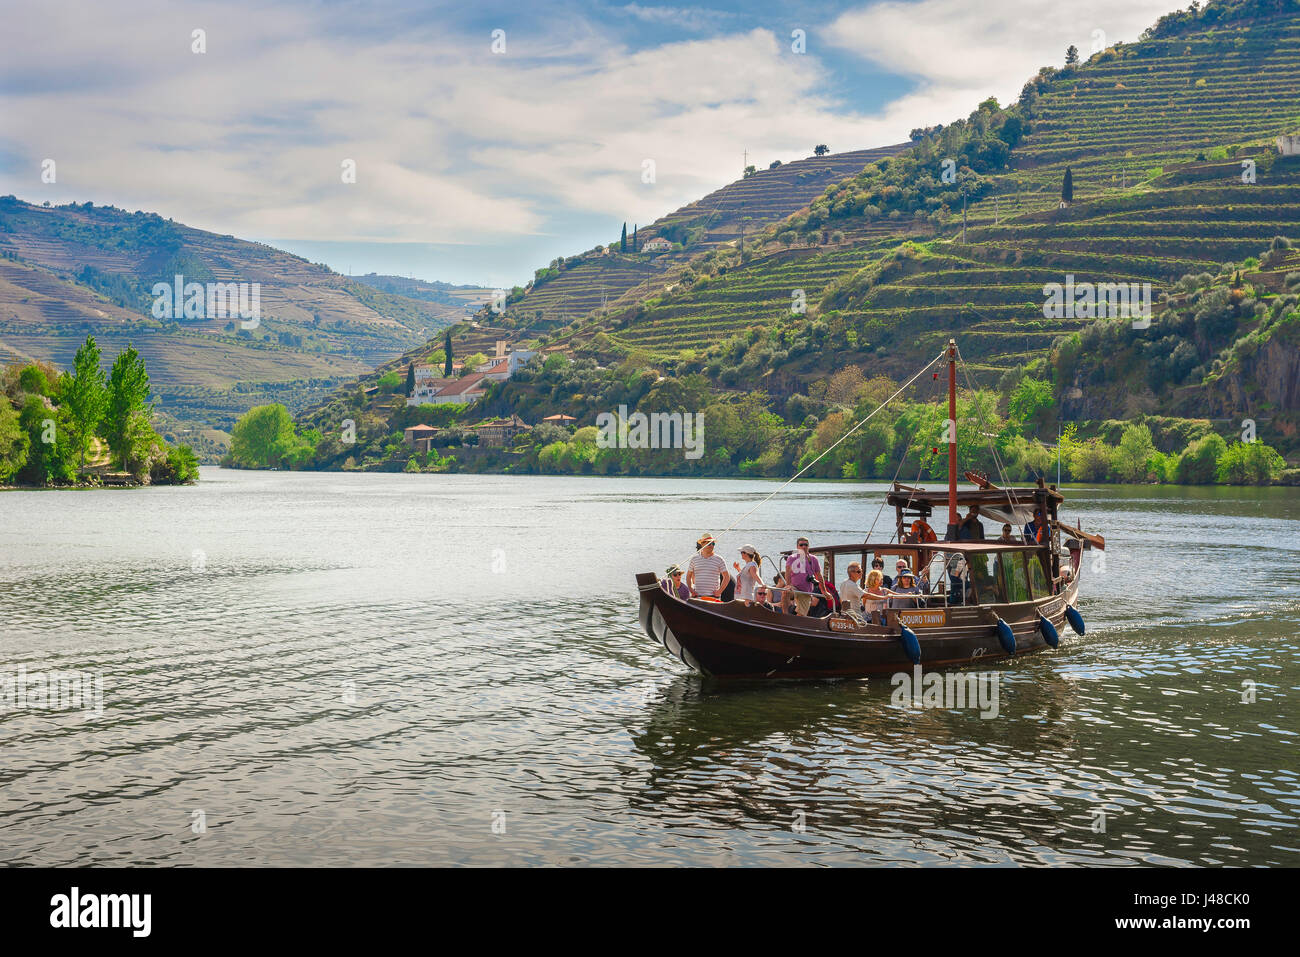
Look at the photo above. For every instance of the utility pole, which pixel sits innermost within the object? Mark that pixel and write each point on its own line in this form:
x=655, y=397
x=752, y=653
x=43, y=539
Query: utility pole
x=744, y=164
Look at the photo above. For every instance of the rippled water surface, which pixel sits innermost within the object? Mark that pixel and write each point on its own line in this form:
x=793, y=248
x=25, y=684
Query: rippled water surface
x=374, y=669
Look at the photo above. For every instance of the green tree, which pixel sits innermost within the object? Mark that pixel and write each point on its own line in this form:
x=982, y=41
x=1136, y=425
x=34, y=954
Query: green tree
x=1091, y=461
x=179, y=467
x=1067, y=186
x=821, y=149
x=128, y=394
x=33, y=381
x=1198, y=464
x=446, y=349
x=142, y=449
x=1071, y=55
x=261, y=436
x=410, y=378
x=622, y=242
x=50, y=456
x=85, y=395
x=1250, y=463
x=14, y=441
x=1135, y=450
x=1029, y=400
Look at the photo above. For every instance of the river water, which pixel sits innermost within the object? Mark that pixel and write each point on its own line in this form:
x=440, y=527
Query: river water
x=352, y=669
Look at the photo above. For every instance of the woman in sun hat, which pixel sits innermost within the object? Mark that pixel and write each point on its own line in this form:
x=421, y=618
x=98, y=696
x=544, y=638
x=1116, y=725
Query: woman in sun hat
x=747, y=575
x=673, y=583
x=904, y=587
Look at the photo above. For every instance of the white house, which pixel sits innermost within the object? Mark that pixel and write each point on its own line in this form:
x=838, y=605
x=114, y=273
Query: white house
x=432, y=389
x=1289, y=145
x=656, y=245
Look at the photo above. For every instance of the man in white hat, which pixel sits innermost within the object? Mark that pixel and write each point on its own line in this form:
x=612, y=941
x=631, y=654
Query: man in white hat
x=706, y=574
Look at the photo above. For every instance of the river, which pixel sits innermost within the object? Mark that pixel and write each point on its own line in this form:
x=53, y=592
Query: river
x=369, y=669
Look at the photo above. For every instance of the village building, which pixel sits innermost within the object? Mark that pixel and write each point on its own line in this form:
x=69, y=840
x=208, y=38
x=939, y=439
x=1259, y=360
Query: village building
x=656, y=245
x=560, y=419
x=419, y=437
x=432, y=388
x=499, y=433
x=462, y=391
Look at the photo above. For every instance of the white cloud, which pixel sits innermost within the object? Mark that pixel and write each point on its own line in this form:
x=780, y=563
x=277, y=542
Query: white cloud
x=964, y=52
x=455, y=144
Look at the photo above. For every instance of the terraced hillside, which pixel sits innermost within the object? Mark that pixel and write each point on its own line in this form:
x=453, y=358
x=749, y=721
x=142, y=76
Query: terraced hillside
x=766, y=196
x=599, y=281
x=1171, y=147
x=72, y=270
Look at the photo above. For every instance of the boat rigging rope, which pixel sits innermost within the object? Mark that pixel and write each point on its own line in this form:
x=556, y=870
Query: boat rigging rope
x=1012, y=499
x=894, y=481
x=901, y=389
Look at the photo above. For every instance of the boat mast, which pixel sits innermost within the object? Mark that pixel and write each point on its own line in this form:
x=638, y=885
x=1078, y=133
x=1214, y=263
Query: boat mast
x=952, y=441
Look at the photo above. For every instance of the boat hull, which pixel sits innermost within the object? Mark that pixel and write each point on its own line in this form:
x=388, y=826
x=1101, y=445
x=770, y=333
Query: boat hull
x=731, y=641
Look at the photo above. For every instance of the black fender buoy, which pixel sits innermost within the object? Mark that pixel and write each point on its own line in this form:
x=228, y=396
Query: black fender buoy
x=1049, y=631
x=1006, y=637
x=913, y=647
x=1074, y=618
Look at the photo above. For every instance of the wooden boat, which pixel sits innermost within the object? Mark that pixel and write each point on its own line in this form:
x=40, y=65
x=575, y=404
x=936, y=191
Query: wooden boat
x=1013, y=598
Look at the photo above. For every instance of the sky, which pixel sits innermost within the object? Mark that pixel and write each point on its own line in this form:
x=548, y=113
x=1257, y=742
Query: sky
x=485, y=138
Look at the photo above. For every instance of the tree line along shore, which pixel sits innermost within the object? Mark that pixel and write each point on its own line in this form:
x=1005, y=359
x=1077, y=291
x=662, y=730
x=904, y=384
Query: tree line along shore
x=84, y=427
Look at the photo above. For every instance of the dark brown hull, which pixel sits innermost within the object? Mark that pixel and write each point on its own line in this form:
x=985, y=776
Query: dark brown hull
x=734, y=642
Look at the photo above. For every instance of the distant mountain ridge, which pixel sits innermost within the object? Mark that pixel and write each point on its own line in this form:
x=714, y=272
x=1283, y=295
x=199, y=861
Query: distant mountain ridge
x=66, y=271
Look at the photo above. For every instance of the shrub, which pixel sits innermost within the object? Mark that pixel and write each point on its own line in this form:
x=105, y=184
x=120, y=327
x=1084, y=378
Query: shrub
x=1197, y=465
x=1250, y=463
x=1091, y=461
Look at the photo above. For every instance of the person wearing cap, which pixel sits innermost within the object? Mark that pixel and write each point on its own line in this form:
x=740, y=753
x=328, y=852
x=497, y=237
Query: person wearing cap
x=803, y=571
x=747, y=577
x=706, y=573
x=904, y=587
x=673, y=583
x=1036, y=530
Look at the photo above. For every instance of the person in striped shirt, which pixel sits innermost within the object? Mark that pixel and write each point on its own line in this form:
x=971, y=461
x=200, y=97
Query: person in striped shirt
x=706, y=574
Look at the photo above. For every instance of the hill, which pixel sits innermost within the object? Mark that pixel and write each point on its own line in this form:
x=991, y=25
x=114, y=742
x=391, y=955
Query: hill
x=1177, y=153
x=71, y=270
x=605, y=279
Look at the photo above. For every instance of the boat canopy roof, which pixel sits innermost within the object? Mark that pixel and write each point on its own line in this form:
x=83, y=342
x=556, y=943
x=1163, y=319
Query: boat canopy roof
x=902, y=495
x=892, y=548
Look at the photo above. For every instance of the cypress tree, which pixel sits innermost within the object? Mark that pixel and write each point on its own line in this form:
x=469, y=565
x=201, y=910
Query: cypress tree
x=446, y=351
x=410, y=378
x=1067, y=187
x=622, y=243
x=635, y=247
